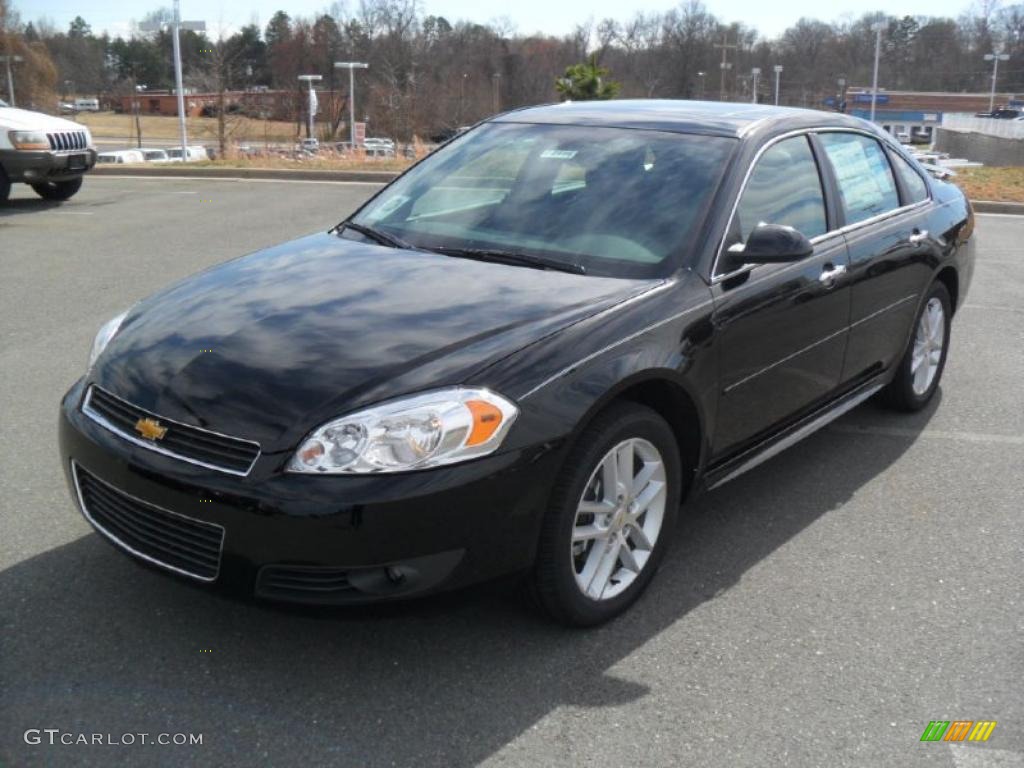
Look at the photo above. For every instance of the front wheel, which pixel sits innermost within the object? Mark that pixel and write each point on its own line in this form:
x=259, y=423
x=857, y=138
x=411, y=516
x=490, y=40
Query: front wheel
x=58, y=190
x=919, y=371
x=5, y=185
x=610, y=517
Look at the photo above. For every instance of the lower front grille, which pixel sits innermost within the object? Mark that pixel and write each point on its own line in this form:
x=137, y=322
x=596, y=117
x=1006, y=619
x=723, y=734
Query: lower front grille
x=304, y=584
x=181, y=544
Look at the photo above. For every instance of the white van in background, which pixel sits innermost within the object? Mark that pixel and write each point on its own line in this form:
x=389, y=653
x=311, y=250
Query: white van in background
x=193, y=154
x=121, y=156
x=87, y=105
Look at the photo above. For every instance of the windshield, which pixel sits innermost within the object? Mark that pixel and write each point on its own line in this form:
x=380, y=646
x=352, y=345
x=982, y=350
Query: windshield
x=617, y=202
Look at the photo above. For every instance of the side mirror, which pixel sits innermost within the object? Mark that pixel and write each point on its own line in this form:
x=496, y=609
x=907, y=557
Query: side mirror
x=769, y=244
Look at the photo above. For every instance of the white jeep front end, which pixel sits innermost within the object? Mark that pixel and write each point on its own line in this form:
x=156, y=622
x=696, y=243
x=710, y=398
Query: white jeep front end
x=48, y=153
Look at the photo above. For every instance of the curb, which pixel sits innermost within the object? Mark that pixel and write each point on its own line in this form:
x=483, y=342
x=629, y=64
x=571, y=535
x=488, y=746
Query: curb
x=996, y=206
x=173, y=170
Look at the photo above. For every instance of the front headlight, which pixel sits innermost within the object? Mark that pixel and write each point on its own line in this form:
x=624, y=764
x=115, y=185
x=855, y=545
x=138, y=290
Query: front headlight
x=104, y=335
x=428, y=430
x=28, y=140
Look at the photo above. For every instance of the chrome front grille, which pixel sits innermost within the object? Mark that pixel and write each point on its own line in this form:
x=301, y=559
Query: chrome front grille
x=173, y=541
x=181, y=441
x=67, y=140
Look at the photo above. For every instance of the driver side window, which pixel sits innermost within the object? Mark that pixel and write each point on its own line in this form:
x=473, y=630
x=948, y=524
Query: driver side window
x=784, y=188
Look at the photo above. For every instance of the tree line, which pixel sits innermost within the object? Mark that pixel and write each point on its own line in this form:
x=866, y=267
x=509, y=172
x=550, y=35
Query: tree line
x=429, y=74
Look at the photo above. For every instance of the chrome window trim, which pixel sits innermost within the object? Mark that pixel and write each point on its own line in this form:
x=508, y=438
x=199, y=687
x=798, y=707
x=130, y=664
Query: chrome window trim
x=717, y=278
x=99, y=419
x=130, y=549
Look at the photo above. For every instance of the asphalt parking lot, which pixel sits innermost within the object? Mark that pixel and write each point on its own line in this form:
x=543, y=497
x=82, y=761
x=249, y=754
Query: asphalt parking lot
x=818, y=611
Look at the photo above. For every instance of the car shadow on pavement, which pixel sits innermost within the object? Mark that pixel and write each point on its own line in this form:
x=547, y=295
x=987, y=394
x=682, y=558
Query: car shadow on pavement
x=14, y=206
x=93, y=643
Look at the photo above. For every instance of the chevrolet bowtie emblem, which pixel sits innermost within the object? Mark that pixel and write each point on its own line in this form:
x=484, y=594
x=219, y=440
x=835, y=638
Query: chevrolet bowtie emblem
x=150, y=429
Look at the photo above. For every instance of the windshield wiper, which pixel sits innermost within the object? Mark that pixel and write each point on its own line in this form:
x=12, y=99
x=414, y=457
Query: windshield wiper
x=513, y=258
x=378, y=236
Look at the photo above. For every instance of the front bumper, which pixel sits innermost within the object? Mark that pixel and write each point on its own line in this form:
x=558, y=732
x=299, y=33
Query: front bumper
x=34, y=167
x=323, y=539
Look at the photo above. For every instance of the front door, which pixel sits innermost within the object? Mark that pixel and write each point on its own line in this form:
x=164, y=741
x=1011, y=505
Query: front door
x=781, y=328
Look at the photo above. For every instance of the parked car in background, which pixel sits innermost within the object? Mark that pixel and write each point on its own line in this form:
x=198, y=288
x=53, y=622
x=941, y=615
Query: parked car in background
x=192, y=154
x=48, y=153
x=121, y=157
x=1001, y=113
x=522, y=356
x=377, y=147
x=87, y=105
x=311, y=145
x=155, y=155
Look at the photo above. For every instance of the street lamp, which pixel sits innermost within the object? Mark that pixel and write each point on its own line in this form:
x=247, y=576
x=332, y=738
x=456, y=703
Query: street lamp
x=754, y=73
x=701, y=75
x=176, y=25
x=994, y=57
x=351, y=66
x=877, y=28
x=10, y=77
x=778, y=73
x=312, y=98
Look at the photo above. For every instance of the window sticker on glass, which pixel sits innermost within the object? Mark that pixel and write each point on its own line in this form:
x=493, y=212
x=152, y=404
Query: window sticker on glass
x=558, y=154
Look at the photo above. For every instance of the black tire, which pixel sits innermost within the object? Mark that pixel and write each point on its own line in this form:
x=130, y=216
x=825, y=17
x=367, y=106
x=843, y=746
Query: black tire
x=5, y=185
x=553, y=580
x=900, y=393
x=58, y=190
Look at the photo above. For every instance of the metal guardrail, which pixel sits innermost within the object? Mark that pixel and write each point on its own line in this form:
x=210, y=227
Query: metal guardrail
x=1004, y=129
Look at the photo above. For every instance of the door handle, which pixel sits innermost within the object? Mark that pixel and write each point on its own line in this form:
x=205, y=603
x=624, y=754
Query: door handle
x=830, y=274
x=918, y=236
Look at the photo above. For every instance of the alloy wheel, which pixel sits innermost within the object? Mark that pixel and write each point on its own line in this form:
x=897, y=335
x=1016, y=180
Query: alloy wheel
x=618, y=519
x=928, y=345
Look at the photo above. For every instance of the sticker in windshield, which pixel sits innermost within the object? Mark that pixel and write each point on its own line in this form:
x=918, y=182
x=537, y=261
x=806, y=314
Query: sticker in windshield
x=558, y=154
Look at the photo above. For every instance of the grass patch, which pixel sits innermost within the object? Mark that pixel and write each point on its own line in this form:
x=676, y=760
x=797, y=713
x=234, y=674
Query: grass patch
x=110, y=125
x=1000, y=184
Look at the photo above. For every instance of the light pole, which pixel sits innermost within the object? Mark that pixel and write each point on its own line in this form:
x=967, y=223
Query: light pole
x=10, y=76
x=701, y=75
x=351, y=66
x=877, y=27
x=754, y=74
x=994, y=57
x=176, y=25
x=841, y=82
x=724, y=67
x=497, y=91
x=778, y=73
x=312, y=99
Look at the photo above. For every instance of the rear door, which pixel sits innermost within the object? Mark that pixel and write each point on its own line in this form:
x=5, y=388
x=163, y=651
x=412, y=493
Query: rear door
x=782, y=327
x=883, y=203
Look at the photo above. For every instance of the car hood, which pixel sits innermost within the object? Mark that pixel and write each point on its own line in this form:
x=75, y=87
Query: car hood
x=268, y=346
x=14, y=119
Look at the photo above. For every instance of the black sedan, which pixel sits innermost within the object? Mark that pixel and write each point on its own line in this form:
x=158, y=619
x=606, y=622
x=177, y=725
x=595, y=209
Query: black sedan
x=522, y=356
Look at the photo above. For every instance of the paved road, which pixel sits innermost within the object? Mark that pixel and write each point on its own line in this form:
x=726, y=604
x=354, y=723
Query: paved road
x=819, y=611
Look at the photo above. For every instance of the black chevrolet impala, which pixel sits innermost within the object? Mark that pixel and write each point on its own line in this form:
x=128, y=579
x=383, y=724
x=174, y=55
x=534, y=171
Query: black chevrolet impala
x=522, y=356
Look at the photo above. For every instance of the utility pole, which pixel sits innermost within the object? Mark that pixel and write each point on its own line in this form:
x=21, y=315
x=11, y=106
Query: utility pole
x=351, y=66
x=496, y=77
x=176, y=25
x=726, y=65
x=700, y=93
x=754, y=74
x=312, y=101
x=994, y=57
x=10, y=76
x=778, y=74
x=878, y=26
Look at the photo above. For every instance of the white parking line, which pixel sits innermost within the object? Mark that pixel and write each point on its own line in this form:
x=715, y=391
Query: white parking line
x=993, y=306
x=236, y=180
x=72, y=213
x=938, y=434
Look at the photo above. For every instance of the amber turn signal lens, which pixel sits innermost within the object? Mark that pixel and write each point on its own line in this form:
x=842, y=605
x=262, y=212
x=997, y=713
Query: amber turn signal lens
x=486, y=420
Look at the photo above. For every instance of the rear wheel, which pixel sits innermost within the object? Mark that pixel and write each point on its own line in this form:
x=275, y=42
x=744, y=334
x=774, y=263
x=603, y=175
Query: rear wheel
x=58, y=190
x=921, y=368
x=610, y=517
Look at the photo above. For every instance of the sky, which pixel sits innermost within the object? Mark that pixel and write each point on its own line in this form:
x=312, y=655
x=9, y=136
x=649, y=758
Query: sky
x=526, y=16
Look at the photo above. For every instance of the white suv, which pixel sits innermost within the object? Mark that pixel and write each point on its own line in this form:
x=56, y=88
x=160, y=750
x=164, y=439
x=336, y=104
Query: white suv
x=48, y=153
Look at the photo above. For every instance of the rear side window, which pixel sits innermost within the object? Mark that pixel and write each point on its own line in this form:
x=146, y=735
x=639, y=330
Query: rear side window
x=866, y=184
x=784, y=188
x=917, y=189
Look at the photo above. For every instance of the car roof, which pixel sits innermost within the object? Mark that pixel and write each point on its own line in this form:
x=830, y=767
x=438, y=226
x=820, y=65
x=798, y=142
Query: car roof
x=702, y=117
